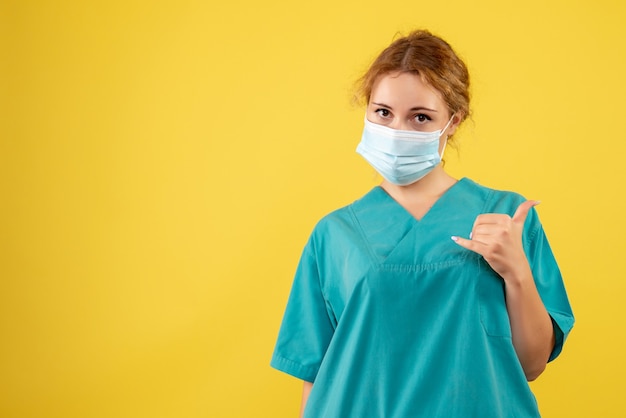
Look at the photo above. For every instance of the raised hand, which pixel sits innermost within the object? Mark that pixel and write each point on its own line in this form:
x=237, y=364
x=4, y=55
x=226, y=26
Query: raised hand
x=498, y=238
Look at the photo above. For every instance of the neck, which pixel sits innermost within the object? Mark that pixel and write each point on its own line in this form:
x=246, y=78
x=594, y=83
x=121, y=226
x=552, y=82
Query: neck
x=434, y=184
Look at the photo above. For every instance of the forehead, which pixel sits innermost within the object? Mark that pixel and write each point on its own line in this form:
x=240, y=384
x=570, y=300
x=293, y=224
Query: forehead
x=405, y=90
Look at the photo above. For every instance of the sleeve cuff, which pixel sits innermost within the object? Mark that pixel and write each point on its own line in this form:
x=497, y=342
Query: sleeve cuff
x=294, y=369
x=562, y=325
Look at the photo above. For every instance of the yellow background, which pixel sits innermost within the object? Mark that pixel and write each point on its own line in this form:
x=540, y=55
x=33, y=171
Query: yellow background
x=162, y=164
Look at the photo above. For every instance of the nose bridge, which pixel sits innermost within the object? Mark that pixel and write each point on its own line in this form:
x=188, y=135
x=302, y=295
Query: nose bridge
x=401, y=124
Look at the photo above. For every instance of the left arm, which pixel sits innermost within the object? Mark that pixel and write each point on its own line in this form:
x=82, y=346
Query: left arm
x=498, y=238
x=531, y=326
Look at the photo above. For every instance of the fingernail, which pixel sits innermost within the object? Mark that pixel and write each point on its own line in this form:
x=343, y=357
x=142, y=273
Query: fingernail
x=455, y=239
x=470, y=235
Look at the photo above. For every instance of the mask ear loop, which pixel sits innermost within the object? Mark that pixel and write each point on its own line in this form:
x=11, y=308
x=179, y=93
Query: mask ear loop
x=445, y=141
x=447, y=125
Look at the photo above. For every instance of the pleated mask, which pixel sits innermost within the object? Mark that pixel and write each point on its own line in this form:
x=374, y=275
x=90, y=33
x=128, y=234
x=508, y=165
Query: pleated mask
x=401, y=157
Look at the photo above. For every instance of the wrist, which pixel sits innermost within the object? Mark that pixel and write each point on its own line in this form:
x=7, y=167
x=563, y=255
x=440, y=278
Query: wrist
x=519, y=278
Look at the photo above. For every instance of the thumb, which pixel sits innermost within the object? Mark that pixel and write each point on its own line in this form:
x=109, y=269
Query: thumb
x=522, y=211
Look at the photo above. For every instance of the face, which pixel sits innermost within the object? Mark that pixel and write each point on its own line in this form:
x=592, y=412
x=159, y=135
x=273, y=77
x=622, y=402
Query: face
x=403, y=101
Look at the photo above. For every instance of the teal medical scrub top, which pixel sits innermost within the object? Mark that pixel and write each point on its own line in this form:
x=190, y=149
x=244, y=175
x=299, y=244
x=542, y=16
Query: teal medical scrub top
x=392, y=319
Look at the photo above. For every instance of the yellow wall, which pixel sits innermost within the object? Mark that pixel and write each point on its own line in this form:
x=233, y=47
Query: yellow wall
x=162, y=164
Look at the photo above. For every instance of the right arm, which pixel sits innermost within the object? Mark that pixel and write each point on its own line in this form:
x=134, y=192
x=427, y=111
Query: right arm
x=306, y=389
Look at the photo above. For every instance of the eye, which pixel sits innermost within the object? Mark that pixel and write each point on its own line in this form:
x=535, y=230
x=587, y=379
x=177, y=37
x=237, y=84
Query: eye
x=422, y=118
x=383, y=113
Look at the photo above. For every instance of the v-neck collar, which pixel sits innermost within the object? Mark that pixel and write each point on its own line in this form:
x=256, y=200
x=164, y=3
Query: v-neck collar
x=441, y=201
x=384, y=222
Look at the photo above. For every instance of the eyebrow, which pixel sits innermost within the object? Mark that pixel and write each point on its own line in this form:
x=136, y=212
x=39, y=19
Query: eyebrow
x=412, y=109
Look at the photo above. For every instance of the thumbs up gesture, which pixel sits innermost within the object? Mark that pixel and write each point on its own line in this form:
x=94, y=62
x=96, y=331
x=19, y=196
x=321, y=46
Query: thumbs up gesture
x=498, y=238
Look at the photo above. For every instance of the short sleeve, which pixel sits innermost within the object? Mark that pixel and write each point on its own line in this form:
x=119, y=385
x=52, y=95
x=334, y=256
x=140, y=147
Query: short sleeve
x=549, y=281
x=306, y=328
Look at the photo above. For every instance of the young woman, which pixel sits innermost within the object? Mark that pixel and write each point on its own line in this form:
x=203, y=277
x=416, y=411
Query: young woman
x=392, y=313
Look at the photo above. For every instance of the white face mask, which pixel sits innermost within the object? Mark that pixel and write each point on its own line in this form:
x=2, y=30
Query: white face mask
x=401, y=157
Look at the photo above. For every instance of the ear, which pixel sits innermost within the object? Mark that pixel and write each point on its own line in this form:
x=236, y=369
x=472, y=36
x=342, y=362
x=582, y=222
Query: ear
x=456, y=121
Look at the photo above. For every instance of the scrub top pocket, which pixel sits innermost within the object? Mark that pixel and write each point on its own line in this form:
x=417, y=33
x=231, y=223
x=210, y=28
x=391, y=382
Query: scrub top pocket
x=491, y=294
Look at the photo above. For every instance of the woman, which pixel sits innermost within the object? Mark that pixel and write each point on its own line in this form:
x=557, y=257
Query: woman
x=392, y=313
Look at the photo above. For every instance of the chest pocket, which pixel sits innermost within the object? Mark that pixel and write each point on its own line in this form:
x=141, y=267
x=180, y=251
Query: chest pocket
x=493, y=314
